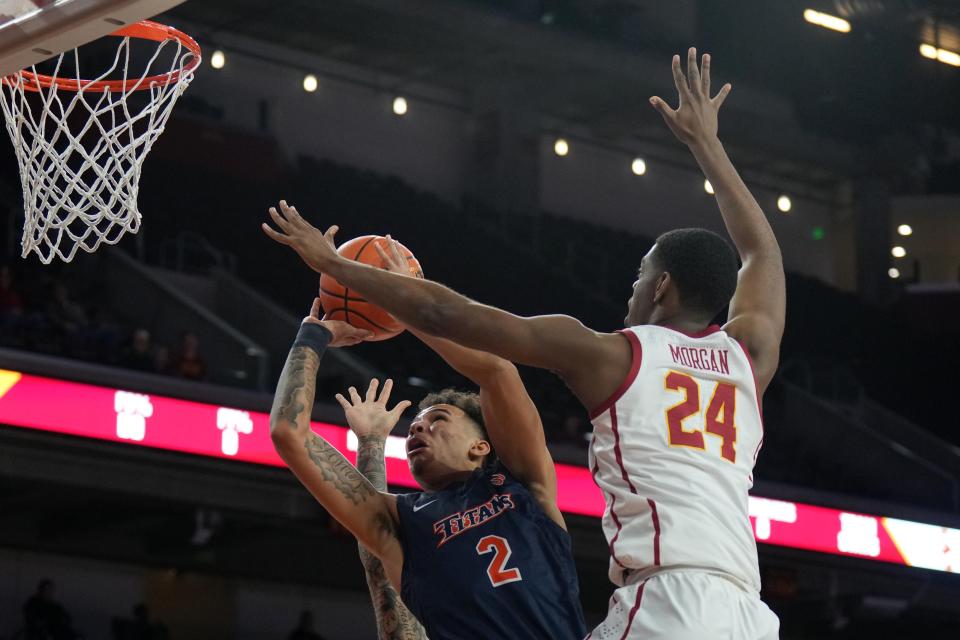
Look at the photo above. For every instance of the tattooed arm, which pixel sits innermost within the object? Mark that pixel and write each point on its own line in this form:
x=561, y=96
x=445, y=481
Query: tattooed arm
x=371, y=422
x=369, y=515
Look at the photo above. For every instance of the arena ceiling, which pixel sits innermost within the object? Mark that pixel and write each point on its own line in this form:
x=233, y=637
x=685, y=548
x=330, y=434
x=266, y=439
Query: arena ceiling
x=844, y=91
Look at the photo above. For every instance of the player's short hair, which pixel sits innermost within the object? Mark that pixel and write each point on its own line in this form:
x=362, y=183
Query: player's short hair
x=469, y=403
x=703, y=266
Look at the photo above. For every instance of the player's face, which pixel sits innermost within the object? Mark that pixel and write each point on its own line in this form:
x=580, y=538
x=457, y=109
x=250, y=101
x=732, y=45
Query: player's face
x=642, y=302
x=443, y=441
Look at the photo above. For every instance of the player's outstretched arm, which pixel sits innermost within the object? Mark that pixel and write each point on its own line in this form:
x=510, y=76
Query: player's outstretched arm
x=511, y=417
x=592, y=364
x=758, y=307
x=371, y=422
x=349, y=497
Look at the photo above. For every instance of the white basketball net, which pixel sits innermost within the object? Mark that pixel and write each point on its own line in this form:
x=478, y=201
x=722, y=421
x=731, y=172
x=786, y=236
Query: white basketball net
x=80, y=151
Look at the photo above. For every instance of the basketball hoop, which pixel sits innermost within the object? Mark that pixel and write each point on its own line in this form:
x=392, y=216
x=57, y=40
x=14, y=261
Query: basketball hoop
x=81, y=143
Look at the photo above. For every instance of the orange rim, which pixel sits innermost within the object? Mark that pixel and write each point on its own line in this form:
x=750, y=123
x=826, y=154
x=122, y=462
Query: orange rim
x=145, y=30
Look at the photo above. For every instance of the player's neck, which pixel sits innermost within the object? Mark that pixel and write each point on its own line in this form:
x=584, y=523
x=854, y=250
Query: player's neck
x=680, y=322
x=451, y=479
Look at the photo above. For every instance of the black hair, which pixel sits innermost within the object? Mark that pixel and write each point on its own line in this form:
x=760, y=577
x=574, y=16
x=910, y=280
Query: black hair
x=703, y=266
x=469, y=403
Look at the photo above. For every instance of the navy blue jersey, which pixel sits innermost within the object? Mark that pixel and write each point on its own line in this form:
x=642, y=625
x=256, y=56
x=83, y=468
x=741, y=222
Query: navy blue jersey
x=481, y=559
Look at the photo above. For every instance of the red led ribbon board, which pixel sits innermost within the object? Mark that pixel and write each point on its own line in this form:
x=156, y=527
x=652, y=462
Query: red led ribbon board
x=197, y=428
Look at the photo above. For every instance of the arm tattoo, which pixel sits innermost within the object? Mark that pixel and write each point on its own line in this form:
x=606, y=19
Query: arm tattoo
x=394, y=620
x=340, y=473
x=295, y=391
x=370, y=461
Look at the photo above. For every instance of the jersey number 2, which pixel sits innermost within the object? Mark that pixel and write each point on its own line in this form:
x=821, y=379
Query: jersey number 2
x=719, y=415
x=501, y=553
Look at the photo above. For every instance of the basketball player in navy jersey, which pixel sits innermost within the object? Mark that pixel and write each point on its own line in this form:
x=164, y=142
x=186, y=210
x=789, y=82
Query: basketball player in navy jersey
x=502, y=403
x=675, y=401
x=483, y=551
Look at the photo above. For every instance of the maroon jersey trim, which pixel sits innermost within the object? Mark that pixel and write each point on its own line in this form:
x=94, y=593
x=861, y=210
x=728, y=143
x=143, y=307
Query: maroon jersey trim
x=636, y=359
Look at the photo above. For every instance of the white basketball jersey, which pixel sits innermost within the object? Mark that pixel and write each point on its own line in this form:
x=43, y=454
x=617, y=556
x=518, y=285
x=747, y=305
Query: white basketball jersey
x=673, y=452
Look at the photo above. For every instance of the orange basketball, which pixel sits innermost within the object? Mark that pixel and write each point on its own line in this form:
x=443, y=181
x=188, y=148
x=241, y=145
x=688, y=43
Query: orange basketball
x=339, y=303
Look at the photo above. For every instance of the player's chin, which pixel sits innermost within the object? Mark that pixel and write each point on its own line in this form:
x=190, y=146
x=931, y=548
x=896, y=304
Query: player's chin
x=419, y=461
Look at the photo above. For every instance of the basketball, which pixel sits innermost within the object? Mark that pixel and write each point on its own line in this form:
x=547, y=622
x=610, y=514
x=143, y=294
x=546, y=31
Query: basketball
x=340, y=304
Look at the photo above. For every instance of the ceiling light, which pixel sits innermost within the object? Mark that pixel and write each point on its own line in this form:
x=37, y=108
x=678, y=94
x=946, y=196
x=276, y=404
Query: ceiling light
x=893, y=272
x=708, y=187
x=217, y=60
x=400, y=105
x=943, y=55
x=898, y=252
x=310, y=83
x=826, y=20
x=784, y=203
x=561, y=147
x=905, y=230
x=638, y=166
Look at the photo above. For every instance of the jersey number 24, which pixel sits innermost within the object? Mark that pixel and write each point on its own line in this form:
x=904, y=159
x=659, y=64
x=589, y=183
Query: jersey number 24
x=718, y=417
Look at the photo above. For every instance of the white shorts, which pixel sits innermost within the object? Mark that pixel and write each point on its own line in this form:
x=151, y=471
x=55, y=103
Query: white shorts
x=687, y=605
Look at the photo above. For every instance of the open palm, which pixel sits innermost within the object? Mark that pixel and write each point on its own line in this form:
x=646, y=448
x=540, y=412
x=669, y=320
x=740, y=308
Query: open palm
x=695, y=119
x=369, y=417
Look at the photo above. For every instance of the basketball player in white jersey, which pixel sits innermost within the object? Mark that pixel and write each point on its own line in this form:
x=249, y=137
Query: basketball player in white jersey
x=674, y=400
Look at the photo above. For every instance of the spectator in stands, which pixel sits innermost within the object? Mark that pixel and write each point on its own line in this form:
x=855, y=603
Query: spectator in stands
x=10, y=301
x=161, y=359
x=140, y=627
x=304, y=630
x=139, y=355
x=44, y=618
x=188, y=363
x=63, y=312
x=11, y=309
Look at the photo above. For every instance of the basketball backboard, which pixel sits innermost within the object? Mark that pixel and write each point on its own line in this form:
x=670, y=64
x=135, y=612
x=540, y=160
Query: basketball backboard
x=34, y=30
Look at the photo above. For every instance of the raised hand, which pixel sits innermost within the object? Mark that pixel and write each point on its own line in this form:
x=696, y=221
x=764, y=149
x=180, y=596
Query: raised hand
x=344, y=335
x=314, y=248
x=695, y=119
x=369, y=417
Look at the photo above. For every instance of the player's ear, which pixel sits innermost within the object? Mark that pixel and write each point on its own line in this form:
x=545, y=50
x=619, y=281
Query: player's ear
x=663, y=285
x=480, y=448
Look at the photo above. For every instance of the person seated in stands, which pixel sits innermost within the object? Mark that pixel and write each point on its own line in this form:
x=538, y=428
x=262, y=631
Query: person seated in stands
x=304, y=630
x=139, y=355
x=140, y=627
x=11, y=308
x=44, y=618
x=188, y=363
x=64, y=313
x=11, y=303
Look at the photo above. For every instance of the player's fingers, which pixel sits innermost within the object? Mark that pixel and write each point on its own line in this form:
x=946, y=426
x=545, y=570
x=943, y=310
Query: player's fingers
x=678, y=79
x=273, y=235
x=290, y=212
x=372, y=390
x=343, y=402
x=354, y=396
x=285, y=209
x=330, y=233
x=395, y=250
x=315, y=308
x=693, y=73
x=385, y=392
x=383, y=254
x=662, y=107
x=279, y=220
x=705, y=75
x=722, y=95
x=402, y=406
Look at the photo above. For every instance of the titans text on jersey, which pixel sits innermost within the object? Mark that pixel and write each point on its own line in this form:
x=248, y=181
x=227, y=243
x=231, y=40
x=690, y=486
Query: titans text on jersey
x=454, y=525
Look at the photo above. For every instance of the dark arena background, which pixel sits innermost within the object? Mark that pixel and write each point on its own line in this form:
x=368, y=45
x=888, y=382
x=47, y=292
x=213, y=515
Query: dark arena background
x=511, y=146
